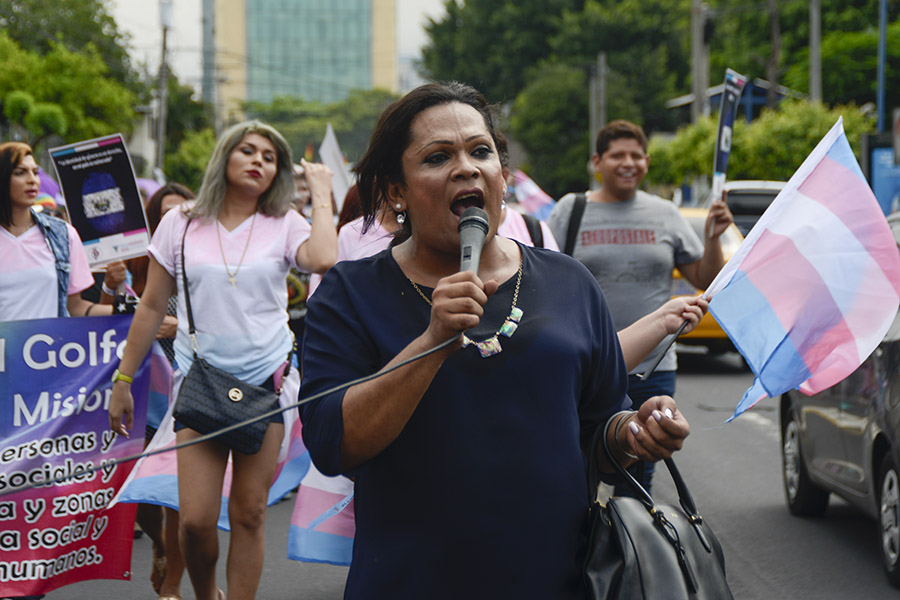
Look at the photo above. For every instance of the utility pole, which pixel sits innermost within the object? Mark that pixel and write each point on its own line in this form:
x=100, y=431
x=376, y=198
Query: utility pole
x=165, y=21
x=699, y=60
x=775, y=55
x=597, y=117
x=208, y=89
x=815, y=50
x=596, y=106
x=882, y=43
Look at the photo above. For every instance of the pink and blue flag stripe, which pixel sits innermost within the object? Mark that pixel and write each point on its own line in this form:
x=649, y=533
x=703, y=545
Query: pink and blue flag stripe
x=155, y=478
x=816, y=284
x=532, y=198
x=323, y=523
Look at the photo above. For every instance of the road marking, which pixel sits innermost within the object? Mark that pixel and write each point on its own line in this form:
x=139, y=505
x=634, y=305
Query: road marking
x=768, y=425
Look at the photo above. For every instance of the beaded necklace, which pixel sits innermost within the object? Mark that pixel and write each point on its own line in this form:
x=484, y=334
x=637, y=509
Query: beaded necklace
x=491, y=345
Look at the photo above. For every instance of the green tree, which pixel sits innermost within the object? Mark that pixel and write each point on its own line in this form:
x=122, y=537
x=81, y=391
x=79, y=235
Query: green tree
x=188, y=163
x=491, y=44
x=740, y=38
x=303, y=122
x=91, y=102
x=37, y=25
x=771, y=147
x=647, y=54
x=549, y=119
x=849, y=66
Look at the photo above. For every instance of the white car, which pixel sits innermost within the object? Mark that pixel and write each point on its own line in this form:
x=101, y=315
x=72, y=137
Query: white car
x=749, y=199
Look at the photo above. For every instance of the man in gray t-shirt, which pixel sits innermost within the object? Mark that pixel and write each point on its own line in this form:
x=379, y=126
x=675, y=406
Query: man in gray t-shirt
x=631, y=241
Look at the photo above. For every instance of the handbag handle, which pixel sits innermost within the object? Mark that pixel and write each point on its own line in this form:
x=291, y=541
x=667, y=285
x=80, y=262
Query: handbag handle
x=642, y=495
x=192, y=331
x=684, y=496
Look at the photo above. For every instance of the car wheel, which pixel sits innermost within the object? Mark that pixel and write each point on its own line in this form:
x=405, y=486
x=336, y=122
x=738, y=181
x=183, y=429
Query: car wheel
x=804, y=498
x=889, y=501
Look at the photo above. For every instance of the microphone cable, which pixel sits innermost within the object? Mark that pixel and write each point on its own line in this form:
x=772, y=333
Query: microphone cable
x=218, y=432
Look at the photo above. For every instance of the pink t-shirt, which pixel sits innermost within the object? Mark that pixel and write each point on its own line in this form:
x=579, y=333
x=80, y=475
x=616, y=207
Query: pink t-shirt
x=514, y=228
x=28, y=284
x=241, y=328
x=353, y=244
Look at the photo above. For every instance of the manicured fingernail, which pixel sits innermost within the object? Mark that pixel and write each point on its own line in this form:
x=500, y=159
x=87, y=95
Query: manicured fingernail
x=668, y=412
x=657, y=415
x=634, y=428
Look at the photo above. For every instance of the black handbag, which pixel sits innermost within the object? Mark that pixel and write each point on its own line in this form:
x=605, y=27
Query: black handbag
x=639, y=549
x=211, y=399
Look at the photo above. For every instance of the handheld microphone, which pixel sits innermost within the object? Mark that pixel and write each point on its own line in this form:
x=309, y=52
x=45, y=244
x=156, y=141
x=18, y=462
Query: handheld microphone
x=473, y=227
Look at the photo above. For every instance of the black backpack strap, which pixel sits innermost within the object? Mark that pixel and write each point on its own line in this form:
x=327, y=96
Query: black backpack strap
x=575, y=222
x=534, y=230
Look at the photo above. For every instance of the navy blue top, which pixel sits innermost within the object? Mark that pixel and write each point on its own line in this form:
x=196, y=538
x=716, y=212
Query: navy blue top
x=483, y=494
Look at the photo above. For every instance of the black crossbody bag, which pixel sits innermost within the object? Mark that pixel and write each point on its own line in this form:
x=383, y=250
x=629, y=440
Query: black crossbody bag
x=638, y=549
x=211, y=399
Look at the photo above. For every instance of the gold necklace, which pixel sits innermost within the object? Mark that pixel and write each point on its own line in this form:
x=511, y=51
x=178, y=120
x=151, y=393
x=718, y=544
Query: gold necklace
x=232, y=277
x=491, y=345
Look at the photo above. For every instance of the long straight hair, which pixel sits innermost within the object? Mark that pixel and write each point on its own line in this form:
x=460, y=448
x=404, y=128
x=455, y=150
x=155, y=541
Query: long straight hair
x=274, y=202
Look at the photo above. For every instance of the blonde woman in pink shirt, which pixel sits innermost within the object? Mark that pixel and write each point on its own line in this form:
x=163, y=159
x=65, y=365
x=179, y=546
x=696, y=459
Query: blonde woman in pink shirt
x=241, y=240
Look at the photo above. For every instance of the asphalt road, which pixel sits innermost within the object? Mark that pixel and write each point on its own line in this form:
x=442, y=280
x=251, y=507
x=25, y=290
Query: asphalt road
x=734, y=472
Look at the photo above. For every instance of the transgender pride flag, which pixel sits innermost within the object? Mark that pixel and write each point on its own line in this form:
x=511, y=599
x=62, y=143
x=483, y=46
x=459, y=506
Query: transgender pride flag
x=532, y=198
x=816, y=284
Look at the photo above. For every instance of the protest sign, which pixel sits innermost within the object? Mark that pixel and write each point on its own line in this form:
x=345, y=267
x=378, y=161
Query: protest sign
x=55, y=389
x=102, y=198
x=731, y=93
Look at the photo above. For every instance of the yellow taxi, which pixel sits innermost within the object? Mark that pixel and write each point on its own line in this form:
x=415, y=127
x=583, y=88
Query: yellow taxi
x=707, y=333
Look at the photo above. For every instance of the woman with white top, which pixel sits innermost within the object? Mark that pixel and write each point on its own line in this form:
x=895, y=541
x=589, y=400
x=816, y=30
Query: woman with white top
x=241, y=240
x=44, y=267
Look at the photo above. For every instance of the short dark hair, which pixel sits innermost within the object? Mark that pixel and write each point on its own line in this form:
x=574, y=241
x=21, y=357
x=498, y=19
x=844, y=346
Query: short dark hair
x=619, y=129
x=11, y=154
x=382, y=164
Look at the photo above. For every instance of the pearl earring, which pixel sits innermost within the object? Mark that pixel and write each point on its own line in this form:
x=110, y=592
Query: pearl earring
x=398, y=206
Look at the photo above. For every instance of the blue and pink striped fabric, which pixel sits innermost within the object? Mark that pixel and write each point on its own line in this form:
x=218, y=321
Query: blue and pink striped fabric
x=816, y=284
x=323, y=523
x=154, y=479
x=532, y=198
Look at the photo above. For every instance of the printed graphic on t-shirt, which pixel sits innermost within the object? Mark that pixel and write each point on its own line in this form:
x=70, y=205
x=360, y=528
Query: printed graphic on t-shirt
x=598, y=237
x=638, y=272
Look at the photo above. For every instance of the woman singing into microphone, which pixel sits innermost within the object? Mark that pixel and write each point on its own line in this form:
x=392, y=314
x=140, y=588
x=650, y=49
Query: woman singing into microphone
x=468, y=463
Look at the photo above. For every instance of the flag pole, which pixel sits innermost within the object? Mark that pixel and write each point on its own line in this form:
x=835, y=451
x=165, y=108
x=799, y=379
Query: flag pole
x=646, y=374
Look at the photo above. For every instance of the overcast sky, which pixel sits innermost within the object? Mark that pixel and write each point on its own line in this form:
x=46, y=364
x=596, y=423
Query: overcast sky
x=140, y=18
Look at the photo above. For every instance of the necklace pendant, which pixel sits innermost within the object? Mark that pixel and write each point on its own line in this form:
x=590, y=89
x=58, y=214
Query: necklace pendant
x=466, y=341
x=232, y=280
x=515, y=314
x=508, y=328
x=489, y=347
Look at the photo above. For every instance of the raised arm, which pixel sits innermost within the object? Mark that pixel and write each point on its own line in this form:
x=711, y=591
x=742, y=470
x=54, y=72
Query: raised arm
x=640, y=338
x=701, y=273
x=319, y=253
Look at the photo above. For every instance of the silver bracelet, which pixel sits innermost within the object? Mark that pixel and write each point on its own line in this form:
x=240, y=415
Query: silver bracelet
x=616, y=436
x=106, y=290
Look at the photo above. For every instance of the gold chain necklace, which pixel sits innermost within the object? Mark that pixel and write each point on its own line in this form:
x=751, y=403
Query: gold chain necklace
x=232, y=277
x=491, y=345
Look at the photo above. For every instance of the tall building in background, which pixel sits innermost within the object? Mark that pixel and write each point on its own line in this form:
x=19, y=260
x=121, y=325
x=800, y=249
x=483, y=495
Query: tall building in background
x=315, y=49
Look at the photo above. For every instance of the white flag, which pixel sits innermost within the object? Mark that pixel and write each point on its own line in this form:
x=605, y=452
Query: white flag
x=333, y=157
